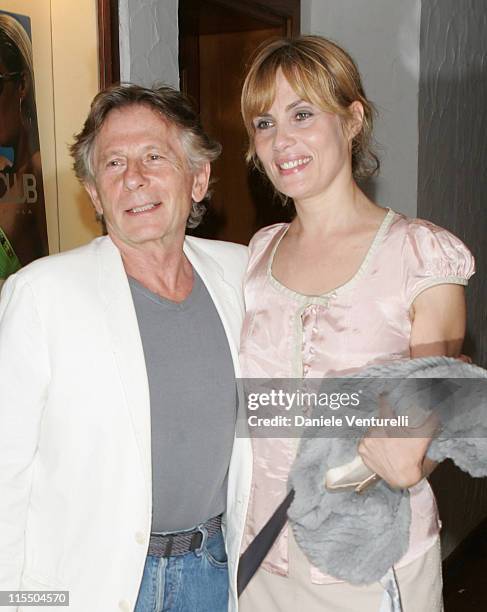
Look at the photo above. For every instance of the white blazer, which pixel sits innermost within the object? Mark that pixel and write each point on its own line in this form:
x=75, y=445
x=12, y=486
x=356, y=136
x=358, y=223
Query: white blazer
x=75, y=448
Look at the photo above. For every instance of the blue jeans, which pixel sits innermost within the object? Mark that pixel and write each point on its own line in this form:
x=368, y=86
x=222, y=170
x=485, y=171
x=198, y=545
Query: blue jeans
x=194, y=582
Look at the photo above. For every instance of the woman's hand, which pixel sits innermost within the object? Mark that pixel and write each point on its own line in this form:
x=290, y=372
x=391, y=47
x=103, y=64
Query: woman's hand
x=399, y=461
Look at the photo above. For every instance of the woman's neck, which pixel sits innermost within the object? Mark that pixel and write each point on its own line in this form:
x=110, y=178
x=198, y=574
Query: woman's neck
x=333, y=211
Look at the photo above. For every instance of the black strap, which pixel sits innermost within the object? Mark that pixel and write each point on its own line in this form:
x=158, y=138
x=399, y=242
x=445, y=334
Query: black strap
x=259, y=547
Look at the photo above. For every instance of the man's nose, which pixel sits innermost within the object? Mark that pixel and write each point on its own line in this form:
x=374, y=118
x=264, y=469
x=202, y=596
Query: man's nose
x=134, y=175
x=283, y=137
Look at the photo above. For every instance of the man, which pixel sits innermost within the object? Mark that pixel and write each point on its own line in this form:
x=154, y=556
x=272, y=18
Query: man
x=117, y=382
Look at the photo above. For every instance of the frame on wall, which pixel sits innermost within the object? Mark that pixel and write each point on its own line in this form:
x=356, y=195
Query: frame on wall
x=108, y=43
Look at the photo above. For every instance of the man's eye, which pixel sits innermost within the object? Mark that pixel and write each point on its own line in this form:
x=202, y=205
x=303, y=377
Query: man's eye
x=263, y=124
x=113, y=163
x=302, y=115
x=155, y=156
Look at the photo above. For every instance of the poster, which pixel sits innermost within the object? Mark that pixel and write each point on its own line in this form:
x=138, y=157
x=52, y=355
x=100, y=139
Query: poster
x=23, y=228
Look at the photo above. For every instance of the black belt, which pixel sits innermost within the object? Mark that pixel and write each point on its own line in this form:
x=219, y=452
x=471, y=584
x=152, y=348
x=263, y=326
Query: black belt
x=182, y=542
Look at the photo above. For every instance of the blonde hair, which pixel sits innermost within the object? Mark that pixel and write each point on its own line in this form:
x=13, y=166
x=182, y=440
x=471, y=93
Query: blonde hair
x=20, y=39
x=321, y=73
x=16, y=54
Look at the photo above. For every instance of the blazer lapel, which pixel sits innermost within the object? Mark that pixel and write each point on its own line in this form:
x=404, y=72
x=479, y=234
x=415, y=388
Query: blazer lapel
x=224, y=296
x=127, y=347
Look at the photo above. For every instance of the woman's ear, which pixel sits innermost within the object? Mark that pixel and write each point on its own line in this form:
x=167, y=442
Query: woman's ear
x=24, y=88
x=356, y=119
x=24, y=85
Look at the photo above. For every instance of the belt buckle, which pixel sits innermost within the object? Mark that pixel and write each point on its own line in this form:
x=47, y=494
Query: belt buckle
x=168, y=546
x=196, y=540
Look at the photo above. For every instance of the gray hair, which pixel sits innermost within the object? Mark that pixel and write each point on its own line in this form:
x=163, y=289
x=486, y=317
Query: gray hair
x=198, y=147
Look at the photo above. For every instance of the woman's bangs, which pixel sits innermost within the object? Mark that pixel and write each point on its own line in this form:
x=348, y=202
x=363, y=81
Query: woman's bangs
x=308, y=86
x=263, y=91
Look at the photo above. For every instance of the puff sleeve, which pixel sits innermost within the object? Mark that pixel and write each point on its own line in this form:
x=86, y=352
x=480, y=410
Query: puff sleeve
x=434, y=256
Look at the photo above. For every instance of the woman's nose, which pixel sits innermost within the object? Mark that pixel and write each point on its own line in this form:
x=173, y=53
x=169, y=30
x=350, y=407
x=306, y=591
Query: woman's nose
x=283, y=138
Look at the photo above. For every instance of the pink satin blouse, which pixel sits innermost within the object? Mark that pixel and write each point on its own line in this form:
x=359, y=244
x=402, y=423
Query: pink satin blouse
x=366, y=320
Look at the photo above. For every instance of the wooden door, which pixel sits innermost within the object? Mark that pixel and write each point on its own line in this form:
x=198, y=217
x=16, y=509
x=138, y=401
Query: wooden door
x=217, y=38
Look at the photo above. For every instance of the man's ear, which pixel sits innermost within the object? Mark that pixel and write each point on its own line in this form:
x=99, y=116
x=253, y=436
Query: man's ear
x=356, y=119
x=201, y=179
x=94, y=197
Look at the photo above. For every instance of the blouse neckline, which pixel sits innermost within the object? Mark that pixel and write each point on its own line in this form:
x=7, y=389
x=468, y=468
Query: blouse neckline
x=325, y=297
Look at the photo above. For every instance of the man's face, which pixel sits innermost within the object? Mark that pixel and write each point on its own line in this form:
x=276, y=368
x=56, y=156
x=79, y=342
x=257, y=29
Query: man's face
x=143, y=185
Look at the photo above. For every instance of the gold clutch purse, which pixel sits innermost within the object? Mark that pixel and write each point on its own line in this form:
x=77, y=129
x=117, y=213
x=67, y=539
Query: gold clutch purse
x=354, y=475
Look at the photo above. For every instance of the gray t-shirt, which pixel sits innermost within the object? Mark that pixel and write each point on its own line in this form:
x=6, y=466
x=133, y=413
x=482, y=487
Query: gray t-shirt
x=193, y=405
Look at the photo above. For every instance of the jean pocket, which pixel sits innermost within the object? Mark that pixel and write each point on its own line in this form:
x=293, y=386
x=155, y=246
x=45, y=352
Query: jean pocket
x=215, y=551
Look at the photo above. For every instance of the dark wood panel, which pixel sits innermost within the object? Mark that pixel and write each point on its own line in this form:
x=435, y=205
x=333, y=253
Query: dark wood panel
x=235, y=209
x=108, y=42
x=217, y=38
x=290, y=10
x=217, y=17
x=452, y=192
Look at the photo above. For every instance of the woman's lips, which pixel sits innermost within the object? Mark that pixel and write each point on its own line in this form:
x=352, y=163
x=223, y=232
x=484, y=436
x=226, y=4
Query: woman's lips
x=291, y=166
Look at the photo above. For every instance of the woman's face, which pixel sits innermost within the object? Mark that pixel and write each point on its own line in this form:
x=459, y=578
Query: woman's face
x=9, y=108
x=304, y=150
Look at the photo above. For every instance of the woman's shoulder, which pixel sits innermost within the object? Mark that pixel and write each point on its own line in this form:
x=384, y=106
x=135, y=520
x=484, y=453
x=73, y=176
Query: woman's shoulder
x=428, y=238
x=263, y=237
x=5, y=163
x=410, y=225
x=429, y=254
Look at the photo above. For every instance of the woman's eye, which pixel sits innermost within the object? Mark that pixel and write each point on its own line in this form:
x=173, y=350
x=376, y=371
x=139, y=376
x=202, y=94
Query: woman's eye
x=113, y=163
x=263, y=124
x=302, y=115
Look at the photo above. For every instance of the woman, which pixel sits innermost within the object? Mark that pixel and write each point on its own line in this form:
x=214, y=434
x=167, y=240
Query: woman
x=345, y=284
x=23, y=233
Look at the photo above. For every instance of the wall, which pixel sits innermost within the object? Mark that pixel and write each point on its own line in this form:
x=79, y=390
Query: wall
x=75, y=77
x=149, y=42
x=452, y=190
x=383, y=37
x=452, y=181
